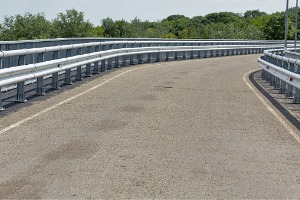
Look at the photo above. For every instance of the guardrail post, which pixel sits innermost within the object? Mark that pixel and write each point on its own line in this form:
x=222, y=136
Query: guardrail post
x=96, y=68
x=88, y=66
x=103, y=62
x=109, y=63
x=277, y=84
x=20, y=97
x=229, y=52
x=117, y=58
x=21, y=92
x=96, y=64
x=158, y=55
x=217, y=53
x=296, y=98
x=282, y=89
x=167, y=54
x=211, y=53
x=132, y=56
x=103, y=65
x=184, y=54
x=272, y=80
x=149, y=55
x=40, y=90
x=79, y=70
x=289, y=92
x=191, y=52
x=55, y=81
x=277, y=80
x=68, y=78
x=117, y=64
x=1, y=104
x=140, y=56
x=125, y=57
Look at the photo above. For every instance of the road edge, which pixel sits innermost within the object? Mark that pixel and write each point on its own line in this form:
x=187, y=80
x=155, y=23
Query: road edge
x=293, y=120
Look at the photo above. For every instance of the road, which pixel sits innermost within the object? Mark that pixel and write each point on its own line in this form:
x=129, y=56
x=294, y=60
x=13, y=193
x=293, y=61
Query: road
x=186, y=129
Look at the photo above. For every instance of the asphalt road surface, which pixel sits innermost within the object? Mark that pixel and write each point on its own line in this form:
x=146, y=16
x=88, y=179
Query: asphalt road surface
x=187, y=129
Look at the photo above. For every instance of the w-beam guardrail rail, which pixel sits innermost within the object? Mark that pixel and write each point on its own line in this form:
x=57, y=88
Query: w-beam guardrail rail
x=36, y=64
x=281, y=69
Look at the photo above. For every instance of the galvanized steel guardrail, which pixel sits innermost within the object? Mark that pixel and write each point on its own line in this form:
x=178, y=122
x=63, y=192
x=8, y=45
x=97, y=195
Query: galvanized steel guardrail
x=106, y=55
x=282, y=71
x=71, y=47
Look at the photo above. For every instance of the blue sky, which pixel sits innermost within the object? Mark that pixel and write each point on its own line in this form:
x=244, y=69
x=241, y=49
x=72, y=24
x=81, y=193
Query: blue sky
x=152, y=10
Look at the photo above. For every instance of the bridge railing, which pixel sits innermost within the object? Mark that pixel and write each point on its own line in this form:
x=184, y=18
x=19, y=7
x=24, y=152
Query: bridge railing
x=105, y=56
x=71, y=47
x=281, y=69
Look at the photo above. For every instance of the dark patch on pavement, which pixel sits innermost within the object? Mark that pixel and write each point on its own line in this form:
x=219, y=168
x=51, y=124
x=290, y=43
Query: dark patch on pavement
x=148, y=97
x=132, y=109
x=74, y=149
x=110, y=125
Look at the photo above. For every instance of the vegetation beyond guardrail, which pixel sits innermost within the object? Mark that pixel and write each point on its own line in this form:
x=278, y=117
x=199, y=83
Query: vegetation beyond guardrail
x=252, y=24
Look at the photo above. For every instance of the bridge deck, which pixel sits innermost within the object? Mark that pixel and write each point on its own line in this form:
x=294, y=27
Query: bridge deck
x=188, y=129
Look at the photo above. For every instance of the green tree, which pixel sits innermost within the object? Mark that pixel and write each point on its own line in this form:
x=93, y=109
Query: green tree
x=97, y=31
x=254, y=14
x=275, y=29
x=110, y=29
x=71, y=24
x=223, y=17
x=28, y=26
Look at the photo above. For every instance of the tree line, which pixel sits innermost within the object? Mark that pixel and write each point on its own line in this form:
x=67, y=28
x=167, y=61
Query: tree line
x=252, y=24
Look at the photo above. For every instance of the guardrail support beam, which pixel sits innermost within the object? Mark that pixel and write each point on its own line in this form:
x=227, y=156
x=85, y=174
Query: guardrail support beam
x=1, y=104
x=20, y=97
x=96, y=68
x=88, y=66
x=79, y=73
x=282, y=89
x=296, y=98
x=40, y=90
x=79, y=68
x=103, y=66
x=68, y=77
x=55, y=81
x=88, y=72
x=117, y=64
x=289, y=91
x=109, y=65
x=277, y=83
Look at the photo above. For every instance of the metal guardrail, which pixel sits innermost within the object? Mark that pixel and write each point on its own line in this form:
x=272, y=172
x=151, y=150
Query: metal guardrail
x=282, y=72
x=106, y=43
x=106, y=56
